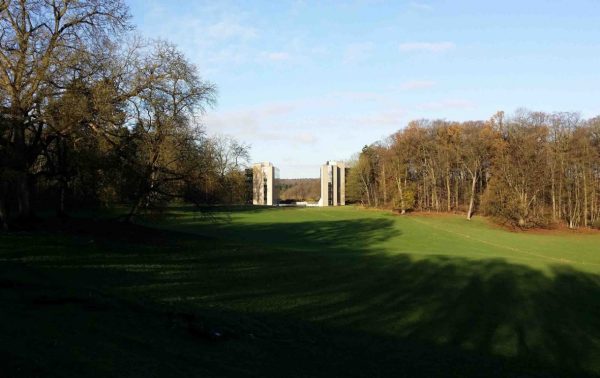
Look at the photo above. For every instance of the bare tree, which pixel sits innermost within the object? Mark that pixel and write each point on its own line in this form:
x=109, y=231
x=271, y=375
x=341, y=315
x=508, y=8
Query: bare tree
x=166, y=130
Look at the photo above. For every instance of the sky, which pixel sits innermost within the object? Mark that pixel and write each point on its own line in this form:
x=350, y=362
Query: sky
x=303, y=82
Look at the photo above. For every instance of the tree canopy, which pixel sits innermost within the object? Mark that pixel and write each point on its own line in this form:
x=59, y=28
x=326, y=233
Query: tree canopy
x=528, y=170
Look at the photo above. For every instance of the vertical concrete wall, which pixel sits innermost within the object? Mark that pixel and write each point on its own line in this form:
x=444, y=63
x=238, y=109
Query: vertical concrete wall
x=275, y=187
x=342, y=174
x=257, y=185
x=338, y=184
x=270, y=175
x=324, y=192
x=260, y=172
x=335, y=184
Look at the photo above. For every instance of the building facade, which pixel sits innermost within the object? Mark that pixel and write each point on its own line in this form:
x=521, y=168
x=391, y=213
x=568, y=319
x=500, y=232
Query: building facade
x=333, y=184
x=261, y=181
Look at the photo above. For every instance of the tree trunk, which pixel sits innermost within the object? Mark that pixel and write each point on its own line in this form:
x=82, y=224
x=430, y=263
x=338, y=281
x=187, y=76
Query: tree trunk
x=448, y=192
x=434, y=197
x=553, y=197
x=20, y=164
x=472, y=200
x=3, y=214
x=560, y=192
x=401, y=194
x=585, y=199
x=367, y=191
x=23, y=201
x=133, y=210
x=61, y=199
x=383, y=183
x=456, y=193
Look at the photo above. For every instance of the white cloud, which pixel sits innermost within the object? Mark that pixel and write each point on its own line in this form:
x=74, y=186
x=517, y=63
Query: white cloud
x=420, y=6
x=213, y=34
x=384, y=118
x=432, y=47
x=227, y=54
x=246, y=121
x=266, y=134
x=230, y=29
x=276, y=108
x=417, y=84
x=358, y=96
x=357, y=52
x=233, y=122
x=297, y=7
x=447, y=104
x=306, y=138
x=349, y=124
x=259, y=124
x=275, y=56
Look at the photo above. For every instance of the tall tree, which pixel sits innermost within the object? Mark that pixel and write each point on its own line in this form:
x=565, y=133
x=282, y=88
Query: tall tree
x=42, y=42
x=476, y=151
x=166, y=130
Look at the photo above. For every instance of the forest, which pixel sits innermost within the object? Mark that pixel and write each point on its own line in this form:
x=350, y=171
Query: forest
x=304, y=189
x=528, y=169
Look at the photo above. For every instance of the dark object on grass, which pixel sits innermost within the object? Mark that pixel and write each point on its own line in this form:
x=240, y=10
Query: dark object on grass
x=197, y=328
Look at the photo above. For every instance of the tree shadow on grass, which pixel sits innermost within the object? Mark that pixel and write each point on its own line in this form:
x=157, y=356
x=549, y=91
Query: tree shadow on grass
x=223, y=210
x=217, y=214
x=340, y=309
x=344, y=236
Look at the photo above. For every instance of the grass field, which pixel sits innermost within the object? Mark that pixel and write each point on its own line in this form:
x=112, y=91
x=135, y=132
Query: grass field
x=300, y=292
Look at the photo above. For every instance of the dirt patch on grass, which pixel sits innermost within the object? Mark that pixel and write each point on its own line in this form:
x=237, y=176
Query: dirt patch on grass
x=557, y=229
x=562, y=229
x=428, y=214
x=550, y=229
x=432, y=214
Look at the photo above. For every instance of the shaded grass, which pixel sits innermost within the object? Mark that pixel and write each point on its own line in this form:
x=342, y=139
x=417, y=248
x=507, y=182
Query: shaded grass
x=301, y=292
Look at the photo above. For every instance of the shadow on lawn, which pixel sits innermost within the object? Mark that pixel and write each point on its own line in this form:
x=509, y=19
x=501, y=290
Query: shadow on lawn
x=224, y=210
x=217, y=214
x=345, y=236
x=292, y=313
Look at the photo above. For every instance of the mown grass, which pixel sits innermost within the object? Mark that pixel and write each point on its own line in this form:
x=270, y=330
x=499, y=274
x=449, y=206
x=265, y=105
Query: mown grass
x=301, y=292
x=382, y=232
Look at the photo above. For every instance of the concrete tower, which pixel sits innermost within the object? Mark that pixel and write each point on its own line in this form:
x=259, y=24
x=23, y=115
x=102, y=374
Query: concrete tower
x=264, y=184
x=333, y=184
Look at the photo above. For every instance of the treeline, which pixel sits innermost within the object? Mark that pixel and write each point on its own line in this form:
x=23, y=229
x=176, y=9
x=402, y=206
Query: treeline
x=90, y=114
x=531, y=169
x=294, y=190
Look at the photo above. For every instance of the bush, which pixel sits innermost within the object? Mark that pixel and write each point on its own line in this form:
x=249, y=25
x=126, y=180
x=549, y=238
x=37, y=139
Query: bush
x=409, y=200
x=500, y=203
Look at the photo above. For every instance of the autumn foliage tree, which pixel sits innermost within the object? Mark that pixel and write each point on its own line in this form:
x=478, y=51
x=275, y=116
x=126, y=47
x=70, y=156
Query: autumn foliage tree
x=529, y=169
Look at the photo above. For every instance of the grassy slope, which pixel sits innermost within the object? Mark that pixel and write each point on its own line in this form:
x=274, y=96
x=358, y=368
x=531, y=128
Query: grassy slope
x=303, y=291
x=381, y=232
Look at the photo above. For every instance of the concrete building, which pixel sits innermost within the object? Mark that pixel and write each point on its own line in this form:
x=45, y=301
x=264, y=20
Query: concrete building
x=333, y=184
x=261, y=181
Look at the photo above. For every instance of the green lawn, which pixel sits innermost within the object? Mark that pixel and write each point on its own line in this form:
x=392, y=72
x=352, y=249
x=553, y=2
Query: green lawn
x=300, y=292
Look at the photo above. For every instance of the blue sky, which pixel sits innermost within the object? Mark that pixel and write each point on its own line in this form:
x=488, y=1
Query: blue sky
x=304, y=82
